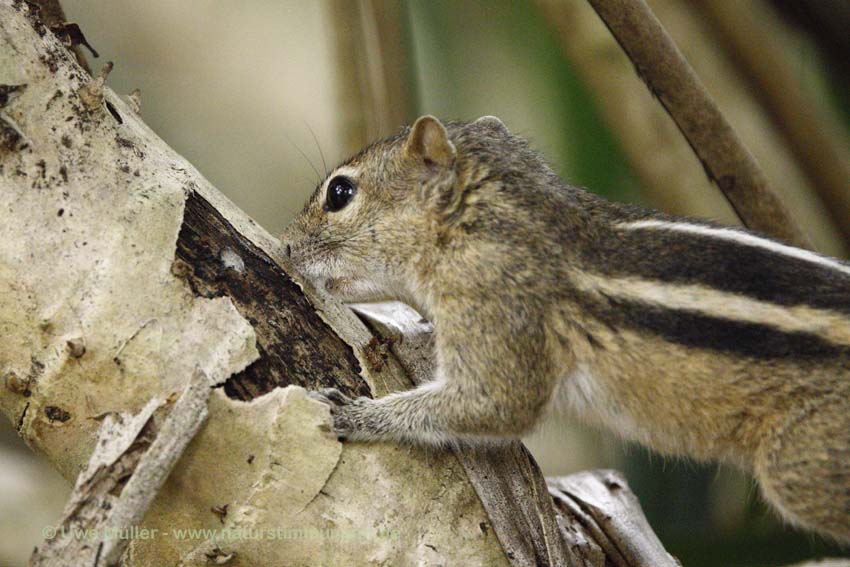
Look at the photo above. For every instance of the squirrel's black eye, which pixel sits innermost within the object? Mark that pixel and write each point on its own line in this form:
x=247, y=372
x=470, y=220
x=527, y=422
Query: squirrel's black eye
x=340, y=192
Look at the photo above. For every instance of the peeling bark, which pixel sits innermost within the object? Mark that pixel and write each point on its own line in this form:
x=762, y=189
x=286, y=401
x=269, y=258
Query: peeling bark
x=131, y=461
x=215, y=260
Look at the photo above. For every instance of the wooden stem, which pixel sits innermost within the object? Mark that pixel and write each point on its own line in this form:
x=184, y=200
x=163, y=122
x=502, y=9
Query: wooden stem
x=669, y=76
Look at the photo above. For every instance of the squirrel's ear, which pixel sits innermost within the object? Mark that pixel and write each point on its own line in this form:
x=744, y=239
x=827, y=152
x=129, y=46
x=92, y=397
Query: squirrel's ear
x=494, y=123
x=428, y=141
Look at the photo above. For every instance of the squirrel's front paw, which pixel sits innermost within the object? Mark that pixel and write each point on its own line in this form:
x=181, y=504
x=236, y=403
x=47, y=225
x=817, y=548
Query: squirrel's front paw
x=343, y=410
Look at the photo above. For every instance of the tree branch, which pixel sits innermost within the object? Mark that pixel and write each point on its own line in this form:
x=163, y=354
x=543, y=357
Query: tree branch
x=608, y=514
x=121, y=270
x=727, y=162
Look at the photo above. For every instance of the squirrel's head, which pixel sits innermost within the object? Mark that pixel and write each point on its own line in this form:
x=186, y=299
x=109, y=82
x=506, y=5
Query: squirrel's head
x=370, y=220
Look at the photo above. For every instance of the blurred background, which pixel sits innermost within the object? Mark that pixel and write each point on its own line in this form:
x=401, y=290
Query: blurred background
x=263, y=96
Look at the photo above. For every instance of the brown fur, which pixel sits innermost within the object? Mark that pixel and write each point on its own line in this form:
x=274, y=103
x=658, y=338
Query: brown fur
x=692, y=344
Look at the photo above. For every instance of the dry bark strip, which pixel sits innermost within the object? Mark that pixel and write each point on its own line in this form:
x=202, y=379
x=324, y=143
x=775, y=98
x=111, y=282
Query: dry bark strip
x=725, y=159
x=132, y=458
x=610, y=520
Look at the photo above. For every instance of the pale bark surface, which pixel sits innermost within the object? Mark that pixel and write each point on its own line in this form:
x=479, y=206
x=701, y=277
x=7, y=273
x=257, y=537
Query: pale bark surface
x=130, y=463
x=97, y=317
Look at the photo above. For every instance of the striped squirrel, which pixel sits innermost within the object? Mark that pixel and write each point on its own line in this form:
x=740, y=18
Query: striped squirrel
x=689, y=337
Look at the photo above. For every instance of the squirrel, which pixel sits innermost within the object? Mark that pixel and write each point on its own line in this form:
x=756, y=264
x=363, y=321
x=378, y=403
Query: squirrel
x=686, y=336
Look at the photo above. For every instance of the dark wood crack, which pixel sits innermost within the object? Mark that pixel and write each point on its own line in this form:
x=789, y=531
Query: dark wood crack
x=296, y=346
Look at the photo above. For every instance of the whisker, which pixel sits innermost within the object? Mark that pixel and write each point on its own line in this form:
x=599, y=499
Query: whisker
x=318, y=146
x=312, y=166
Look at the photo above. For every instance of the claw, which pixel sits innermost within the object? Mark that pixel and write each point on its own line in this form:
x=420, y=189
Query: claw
x=318, y=396
x=331, y=396
x=341, y=406
x=336, y=400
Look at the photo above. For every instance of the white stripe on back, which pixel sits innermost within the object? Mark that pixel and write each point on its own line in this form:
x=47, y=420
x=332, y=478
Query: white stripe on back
x=733, y=235
x=730, y=306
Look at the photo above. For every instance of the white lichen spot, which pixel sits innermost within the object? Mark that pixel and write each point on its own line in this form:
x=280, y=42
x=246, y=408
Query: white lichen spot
x=232, y=260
